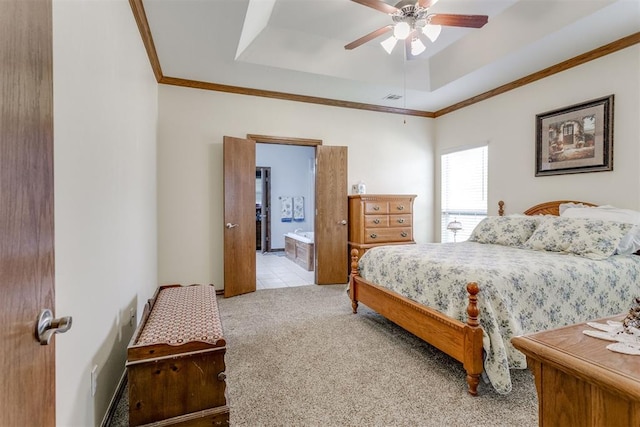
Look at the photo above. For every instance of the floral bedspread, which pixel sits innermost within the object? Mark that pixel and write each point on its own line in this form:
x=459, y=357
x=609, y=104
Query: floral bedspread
x=521, y=291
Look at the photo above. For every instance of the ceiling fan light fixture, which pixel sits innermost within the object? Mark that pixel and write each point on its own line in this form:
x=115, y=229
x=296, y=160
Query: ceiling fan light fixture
x=401, y=30
x=432, y=31
x=417, y=47
x=389, y=44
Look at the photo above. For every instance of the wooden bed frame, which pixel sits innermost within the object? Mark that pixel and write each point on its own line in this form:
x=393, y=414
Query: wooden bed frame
x=460, y=340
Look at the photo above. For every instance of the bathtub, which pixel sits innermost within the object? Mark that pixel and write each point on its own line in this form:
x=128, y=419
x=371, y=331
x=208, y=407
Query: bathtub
x=299, y=248
x=301, y=236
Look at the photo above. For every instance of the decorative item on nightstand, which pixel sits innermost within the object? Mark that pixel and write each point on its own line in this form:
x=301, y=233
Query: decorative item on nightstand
x=625, y=334
x=454, y=226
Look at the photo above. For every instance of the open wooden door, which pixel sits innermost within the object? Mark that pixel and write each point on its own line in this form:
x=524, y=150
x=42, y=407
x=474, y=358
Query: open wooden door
x=239, y=216
x=27, y=387
x=331, y=215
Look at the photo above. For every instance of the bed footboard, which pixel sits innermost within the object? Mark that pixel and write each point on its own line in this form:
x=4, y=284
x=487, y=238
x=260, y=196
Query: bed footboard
x=462, y=341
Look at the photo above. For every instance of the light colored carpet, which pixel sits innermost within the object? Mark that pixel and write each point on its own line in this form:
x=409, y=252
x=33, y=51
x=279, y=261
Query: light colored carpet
x=299, y=357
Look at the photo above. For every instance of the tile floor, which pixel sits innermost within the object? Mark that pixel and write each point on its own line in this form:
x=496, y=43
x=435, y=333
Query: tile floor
x=275, y=270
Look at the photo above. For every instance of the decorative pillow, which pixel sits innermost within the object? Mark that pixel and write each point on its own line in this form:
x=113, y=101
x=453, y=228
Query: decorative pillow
x=589, y=238
x=630, y=243
x=504, y=230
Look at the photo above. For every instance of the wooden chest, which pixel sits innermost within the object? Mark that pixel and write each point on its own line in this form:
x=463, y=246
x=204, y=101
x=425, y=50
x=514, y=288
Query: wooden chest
x=175, y=360
x=380, y=219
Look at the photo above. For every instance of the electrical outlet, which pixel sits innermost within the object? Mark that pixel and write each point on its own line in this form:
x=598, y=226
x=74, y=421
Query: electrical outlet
x=94, y=380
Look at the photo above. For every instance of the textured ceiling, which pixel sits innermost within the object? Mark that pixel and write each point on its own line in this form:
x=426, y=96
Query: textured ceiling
x=297, y=46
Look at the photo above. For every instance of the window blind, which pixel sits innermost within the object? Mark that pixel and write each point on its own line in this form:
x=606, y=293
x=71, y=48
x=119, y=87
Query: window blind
x=463, y=191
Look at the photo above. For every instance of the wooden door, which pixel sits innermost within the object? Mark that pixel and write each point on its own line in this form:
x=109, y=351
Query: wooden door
x=27, y=387
x=331, y=217
x=239, y=216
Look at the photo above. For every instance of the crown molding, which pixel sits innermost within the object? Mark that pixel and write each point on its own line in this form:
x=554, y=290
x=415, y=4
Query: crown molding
x=143, y=26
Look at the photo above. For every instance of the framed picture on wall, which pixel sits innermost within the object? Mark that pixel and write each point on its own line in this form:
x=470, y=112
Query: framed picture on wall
x=575, y=139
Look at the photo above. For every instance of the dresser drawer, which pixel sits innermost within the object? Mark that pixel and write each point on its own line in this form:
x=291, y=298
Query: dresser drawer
x=400, y=206
x=400, y=220
x=373, y=221
x=376, y=207
x=382, y=235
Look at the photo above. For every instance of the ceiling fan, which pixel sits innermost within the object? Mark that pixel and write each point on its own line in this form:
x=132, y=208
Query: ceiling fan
x=410, y=19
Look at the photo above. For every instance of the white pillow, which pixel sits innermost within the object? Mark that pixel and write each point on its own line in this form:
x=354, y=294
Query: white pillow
x=607, y=213
x=564, y=206
x=630, y=243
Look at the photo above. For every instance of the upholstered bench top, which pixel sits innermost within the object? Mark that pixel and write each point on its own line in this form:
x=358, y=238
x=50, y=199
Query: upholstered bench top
x=183, y=314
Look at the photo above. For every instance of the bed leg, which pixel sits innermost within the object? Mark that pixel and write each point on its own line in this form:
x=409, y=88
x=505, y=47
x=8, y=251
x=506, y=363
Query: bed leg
x=473, y=341
x=473, y=380
x=352, y=282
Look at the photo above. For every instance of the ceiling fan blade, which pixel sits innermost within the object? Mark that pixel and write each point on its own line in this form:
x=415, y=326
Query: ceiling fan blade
x=368, y=37
x=378, y=5
x=451, y=20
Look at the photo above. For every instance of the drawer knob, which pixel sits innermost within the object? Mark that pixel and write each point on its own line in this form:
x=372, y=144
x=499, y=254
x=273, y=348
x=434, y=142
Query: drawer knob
x=376, y=221
x=373, y=235
x=403, y=234
x=376, y=208
x=222, y=376
x=400, y=207
x=401, y=220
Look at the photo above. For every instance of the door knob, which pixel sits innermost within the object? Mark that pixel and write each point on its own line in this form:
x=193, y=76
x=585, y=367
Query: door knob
x=46, y=326
x=343, y=222
x=229, y=225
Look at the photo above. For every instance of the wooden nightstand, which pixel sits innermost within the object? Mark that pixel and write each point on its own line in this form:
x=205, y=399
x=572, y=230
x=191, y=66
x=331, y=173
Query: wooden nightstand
x=579, y=381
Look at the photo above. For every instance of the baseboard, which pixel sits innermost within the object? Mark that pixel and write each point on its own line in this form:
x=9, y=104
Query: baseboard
x=113, y=405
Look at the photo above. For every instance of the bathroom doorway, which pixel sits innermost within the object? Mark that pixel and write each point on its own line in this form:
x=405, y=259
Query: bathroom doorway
x=326, y=203
x=263, y=209
x=285, y=176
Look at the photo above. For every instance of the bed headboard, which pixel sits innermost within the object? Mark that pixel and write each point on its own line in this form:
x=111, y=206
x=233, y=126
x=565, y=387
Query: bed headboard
x=546, y=208
x=551, y=208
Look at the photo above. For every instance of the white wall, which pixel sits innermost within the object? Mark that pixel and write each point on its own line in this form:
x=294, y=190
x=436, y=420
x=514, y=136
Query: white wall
x=507, y=122
x=292, y=174
x=390, y=156
x=105, y=113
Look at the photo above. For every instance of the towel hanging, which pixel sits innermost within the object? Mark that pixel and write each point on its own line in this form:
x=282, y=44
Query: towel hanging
x=298, y=208
x=286, y=209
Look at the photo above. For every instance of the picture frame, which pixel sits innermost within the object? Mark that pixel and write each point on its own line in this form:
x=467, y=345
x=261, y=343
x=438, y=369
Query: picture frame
x=575, y=139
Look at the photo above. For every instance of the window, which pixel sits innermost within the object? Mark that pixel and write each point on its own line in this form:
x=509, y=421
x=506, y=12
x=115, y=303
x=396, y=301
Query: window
x=463, y=191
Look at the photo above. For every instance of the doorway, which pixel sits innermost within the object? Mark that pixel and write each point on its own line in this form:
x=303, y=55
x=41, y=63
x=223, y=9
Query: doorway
x=285, y=197
x=329, y=212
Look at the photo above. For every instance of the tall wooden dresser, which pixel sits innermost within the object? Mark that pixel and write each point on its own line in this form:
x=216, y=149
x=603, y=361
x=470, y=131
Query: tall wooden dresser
x=380, y=219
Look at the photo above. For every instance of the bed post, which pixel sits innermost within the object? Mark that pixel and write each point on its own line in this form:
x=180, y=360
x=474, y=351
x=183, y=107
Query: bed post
x=501, y=208
x=352, y=281
x=473, y=363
